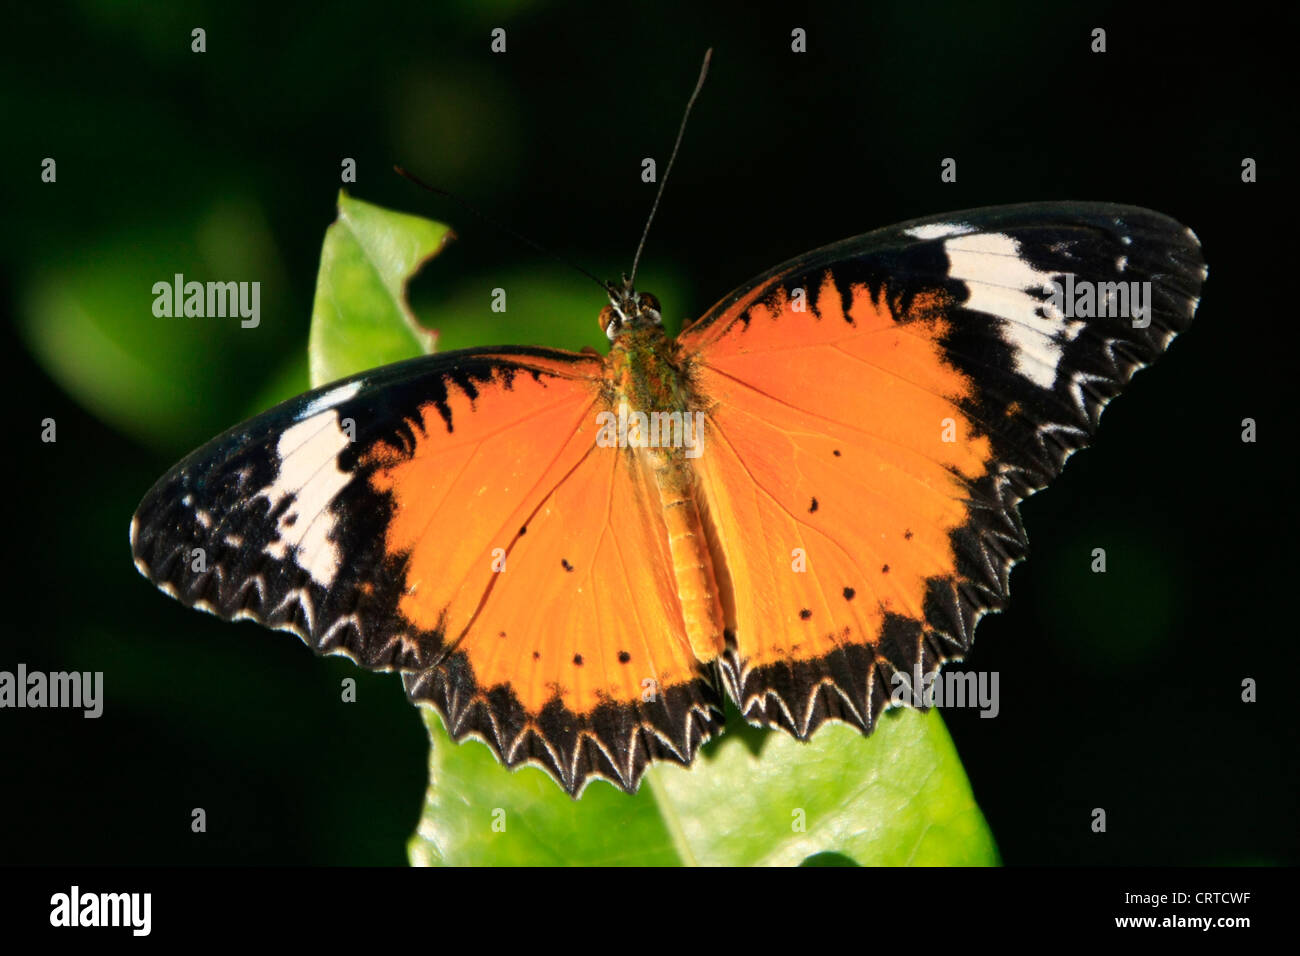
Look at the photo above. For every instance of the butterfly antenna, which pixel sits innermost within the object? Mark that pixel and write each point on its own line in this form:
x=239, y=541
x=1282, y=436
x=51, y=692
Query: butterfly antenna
x=699, y=85
x=496, y=225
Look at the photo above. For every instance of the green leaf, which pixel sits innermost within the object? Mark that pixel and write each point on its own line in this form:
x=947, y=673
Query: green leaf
x=754, y=797
x=899, y=796
x=360, y=318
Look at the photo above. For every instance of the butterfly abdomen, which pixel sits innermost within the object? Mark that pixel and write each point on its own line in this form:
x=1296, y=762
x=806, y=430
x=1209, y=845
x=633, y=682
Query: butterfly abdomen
x=697, y=587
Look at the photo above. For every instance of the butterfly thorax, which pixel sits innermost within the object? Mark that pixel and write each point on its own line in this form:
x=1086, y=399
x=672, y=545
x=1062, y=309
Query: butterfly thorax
x=643, y=370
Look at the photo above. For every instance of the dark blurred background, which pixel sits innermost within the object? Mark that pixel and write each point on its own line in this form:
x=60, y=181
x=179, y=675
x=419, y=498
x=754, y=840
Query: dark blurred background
x=1119, y=690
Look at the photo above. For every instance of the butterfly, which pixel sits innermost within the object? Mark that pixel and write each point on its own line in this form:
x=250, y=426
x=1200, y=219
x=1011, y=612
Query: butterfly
x=806, y=497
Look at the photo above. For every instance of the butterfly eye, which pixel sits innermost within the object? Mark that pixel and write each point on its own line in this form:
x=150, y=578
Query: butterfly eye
x=608, y=320
x=648, y=305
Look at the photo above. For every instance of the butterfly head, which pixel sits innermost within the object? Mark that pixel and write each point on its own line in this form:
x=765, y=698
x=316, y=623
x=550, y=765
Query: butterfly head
x=628, y=309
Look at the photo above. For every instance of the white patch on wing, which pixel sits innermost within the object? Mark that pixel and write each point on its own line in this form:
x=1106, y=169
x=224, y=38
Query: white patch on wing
x=939, y=230
x=335, y=396
x=1002, y=284
x=309, y=472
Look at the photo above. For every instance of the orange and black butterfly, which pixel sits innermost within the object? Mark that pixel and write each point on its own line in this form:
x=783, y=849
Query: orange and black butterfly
x=812, y=489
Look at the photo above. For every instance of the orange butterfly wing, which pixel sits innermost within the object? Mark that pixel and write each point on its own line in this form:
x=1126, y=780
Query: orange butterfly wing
x=878, y=408
x=575, y=656
x=579, y=654
x=453, y=518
